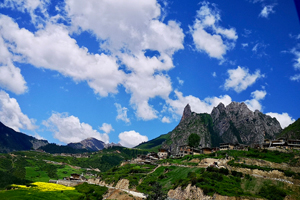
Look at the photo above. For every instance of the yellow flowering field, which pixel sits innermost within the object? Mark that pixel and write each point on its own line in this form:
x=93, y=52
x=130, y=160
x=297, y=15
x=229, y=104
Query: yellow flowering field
x=46, y=187
x=39, y=191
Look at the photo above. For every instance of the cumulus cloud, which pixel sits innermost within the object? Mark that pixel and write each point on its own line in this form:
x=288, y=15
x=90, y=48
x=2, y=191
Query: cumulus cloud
x=142, y=88
x=122, y=113
x=125, y=31
x=11, y=114
x=297, y=58
x=10, y=76
x=240, y=79
x=209, y=36
x=284, y=118
x=197, y=105
x=30, y=6
x=68, y=129
x=254, y=103
x=107, y=128
x=266, y=11
x=52, y=48
x=295, y=77
x=131, y=138
x=165, y=120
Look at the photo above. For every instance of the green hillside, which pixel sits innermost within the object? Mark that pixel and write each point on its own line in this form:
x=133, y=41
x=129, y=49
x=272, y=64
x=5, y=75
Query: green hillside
x=23, y=167
x=154, y=144
x=292, y=131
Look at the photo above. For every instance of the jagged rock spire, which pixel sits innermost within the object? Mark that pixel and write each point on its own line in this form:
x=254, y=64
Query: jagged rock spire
x=186, y=112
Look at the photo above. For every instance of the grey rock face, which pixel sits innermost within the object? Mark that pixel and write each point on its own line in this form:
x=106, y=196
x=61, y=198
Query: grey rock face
x=91, y=144
x=38, y=143
x=190, y=123
x=237, y=123
x=187, y=112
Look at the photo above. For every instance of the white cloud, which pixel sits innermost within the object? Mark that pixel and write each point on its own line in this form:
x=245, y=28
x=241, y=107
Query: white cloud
x=132, y=24
x=11, y=79
x=295, y=77
x=165, y=120
x=259, y=49
x=52, y=48
x=197, y=105
x=107, y=128
x=142, y=88
x=69, y=129
x=124, y=29
x=254, y=104
x=122, y=113
x=215, y=44
x=37, y=136
x=131, y=138
x=244, y=45
x=214, y=74
x=11, y=114
x=180, y=81
x=240, y=79
x=266, y=11
x=297, y=59
x=284, y=118
x=30, y=6
x=10, y=76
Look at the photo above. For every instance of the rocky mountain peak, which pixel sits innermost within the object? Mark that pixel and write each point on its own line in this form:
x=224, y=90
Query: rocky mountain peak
x=237, y=123
x=187, y=112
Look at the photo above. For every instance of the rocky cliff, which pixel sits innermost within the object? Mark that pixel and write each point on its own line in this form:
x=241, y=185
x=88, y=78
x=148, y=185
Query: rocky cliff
x=190, y=123
x=237, y=123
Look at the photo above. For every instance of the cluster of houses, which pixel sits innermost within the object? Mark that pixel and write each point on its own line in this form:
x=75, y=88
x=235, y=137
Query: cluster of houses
x=277, y=144
x=282, y=143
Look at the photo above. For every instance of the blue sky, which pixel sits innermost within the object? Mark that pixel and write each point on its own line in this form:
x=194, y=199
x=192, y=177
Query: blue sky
x=122, y=71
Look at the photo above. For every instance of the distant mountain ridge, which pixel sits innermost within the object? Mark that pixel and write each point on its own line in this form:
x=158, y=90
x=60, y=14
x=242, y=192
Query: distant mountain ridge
x=92, y=144
x=11, y=140
x=235, y=123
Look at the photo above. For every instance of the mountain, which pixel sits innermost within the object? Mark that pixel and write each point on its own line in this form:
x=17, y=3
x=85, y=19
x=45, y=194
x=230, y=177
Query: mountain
x=10, y=140
x=237, y=123
x=110, y=145
x=292, y=131
x=91, y=144
x=233, y=123
x=191, y=122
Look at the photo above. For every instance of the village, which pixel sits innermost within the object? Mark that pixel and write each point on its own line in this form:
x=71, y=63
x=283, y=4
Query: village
x=279, y=144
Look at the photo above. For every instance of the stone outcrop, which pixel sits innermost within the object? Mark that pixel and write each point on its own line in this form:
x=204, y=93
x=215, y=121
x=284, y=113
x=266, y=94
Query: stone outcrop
x=187, y=112
x=123, y=184
x=237, y=123
x=195, y=193
x=91, y=144
x=190, y=123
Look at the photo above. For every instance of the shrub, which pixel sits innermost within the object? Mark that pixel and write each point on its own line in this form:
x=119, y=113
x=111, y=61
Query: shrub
x=272, y=192
x=237, y=174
